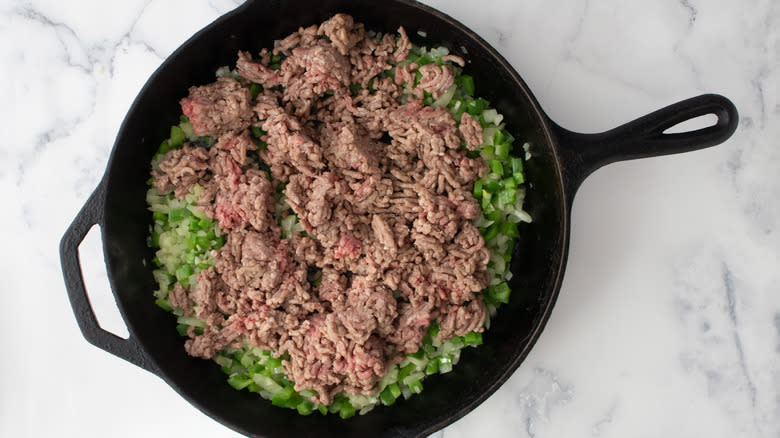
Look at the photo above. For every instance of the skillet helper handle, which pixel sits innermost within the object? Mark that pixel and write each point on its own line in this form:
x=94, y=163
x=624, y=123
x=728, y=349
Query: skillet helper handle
x=92, y=214
x=645, y=137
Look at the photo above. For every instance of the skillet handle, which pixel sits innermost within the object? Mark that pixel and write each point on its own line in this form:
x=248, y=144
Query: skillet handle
x=644, y=137
x=128, y=349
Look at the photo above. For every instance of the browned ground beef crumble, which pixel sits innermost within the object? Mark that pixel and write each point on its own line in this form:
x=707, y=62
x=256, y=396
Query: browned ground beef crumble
x=382, y=190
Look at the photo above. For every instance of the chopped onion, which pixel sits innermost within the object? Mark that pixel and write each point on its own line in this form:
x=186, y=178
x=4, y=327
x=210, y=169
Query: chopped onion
x=191, y=320
x=492, y=116
x=438, y=52
x=445, y=98
x=488, y=134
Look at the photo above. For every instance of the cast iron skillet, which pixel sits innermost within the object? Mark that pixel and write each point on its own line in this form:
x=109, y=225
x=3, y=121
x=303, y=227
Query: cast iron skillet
x=561, y=160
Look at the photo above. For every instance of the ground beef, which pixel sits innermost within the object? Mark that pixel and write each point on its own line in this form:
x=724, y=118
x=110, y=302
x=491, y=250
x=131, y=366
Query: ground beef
x=311, y=71
x=462, y=319
x=251, y=261
x=368, y=308
x=180, y=169
x=236, y=197
x=383, y=233
x=342, y=32
x=382, y=190
x=256, y=72
x=454, y=59
x=289, y=147
x=178, y=298
x=212, y=340
x=471, y=131
x=410, y=327
x=237, y=146
x=218, y=108
x=346, y=147
x=326, y=360
x=403, y=46
x=304, y=37
x=370, y=58
x=435, y=79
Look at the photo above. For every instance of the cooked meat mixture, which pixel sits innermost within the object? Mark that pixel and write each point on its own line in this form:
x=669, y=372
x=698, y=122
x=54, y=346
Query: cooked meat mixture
x=382, y=190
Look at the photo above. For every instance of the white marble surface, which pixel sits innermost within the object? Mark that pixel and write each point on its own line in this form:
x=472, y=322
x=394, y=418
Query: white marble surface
x=668, y=323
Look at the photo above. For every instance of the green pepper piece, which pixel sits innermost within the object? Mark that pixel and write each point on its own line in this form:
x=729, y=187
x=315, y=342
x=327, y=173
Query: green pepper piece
x=473, y=338
x=177, y=136
x=467, y=83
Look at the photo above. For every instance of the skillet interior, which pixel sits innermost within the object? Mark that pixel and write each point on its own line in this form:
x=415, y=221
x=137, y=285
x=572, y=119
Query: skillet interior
x=537, y=264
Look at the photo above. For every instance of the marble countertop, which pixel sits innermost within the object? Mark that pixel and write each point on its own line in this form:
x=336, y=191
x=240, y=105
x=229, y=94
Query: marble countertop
x=668, y=322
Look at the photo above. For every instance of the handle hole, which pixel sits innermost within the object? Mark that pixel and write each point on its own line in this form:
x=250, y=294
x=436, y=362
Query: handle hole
x=93, y=269
x=694, y=124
